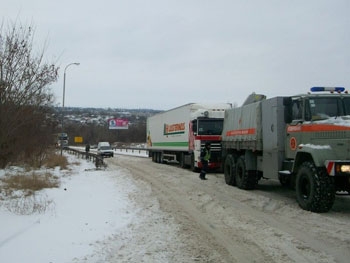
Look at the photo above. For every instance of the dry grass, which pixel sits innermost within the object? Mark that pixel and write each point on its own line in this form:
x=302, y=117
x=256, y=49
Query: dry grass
x=19, y=191
x=54, y=160
x=28, y=184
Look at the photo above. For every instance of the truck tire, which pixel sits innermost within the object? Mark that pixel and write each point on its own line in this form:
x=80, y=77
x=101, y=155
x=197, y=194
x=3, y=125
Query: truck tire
x=182, y=160
x=244, y=179
x=158, y=157
x=315, y=190
x=230, y=170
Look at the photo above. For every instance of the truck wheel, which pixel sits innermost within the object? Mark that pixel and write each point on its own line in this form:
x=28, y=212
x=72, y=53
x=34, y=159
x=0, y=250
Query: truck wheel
x=315, y=190
x=155, y=157
x=158, y=157
x=230, y=170
x=182, y=160
x=244, y=179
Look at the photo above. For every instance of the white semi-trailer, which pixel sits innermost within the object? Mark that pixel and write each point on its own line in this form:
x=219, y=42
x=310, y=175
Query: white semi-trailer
x=177, y=135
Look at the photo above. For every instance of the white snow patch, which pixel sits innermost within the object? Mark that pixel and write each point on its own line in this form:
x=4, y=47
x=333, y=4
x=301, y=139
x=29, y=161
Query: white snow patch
x=317, y=147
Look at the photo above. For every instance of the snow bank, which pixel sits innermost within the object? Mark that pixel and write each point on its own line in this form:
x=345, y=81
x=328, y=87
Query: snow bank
x=86, y=208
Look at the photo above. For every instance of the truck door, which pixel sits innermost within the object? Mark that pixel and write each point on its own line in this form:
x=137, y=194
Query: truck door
x=294, y=128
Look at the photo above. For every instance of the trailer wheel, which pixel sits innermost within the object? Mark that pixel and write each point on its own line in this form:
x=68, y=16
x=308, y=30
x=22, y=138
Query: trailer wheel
x=161, y=160
x=244, y=179
x=182, y=160
x=158, y=157
x=230, y=170
x=315, y=190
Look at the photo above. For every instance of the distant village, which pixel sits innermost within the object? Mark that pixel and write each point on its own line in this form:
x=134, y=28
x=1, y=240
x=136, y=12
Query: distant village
x=91, y=124
x=99, y=116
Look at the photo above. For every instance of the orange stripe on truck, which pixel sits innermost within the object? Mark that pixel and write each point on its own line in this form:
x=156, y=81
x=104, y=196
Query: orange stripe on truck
x=316, y=128
x=249, y=131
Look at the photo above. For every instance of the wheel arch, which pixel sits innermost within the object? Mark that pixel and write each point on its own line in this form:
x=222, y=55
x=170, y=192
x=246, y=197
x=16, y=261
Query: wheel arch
x=300, y=158
x=313, y=154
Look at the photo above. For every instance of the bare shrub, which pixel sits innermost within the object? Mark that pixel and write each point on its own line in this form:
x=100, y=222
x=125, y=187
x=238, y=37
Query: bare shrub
x=25, y=96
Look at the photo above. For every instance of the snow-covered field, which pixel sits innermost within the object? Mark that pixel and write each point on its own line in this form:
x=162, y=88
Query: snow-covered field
x=88, y=208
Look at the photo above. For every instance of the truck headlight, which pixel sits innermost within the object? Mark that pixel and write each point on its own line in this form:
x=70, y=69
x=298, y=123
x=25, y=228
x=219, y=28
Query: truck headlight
x=345, y=168
x=342, y=168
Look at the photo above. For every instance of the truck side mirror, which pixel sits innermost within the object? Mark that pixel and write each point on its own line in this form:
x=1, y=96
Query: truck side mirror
x=287, y=103
x=194, y=126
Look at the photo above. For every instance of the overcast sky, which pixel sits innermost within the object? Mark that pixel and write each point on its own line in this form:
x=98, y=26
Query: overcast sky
x=161, y=54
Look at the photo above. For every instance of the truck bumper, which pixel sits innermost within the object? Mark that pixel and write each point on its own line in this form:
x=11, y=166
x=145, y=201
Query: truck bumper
x=211, y=165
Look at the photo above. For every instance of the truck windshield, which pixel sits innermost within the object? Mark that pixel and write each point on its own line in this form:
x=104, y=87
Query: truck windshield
x=324, y=108
x=210, y=126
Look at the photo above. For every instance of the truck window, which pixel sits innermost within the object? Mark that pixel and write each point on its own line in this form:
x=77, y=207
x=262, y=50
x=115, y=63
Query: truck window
x=210, y=126
x=324, y=108
x=297, y=110
x=346, y=102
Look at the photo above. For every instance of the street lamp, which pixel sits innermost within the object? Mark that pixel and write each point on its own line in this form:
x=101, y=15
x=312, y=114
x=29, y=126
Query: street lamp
x=64, y=93
x=64, y=81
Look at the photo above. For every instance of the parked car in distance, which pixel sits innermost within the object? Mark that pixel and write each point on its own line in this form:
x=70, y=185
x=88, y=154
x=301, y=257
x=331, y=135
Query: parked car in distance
x=104, y=149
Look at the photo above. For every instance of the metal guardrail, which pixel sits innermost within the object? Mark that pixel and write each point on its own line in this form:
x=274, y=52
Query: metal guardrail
x=97, y=159
x=132, y=150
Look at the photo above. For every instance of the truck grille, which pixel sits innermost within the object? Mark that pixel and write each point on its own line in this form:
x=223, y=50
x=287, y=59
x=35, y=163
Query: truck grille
x=215, y=149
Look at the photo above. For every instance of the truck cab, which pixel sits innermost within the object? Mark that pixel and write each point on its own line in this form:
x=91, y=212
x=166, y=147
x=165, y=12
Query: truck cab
x=318, y=131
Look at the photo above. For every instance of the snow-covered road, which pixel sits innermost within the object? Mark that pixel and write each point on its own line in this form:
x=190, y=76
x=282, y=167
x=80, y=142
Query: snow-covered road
x=139, y=211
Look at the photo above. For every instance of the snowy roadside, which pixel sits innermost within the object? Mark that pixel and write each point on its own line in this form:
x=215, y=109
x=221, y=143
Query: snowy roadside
x=89, y=218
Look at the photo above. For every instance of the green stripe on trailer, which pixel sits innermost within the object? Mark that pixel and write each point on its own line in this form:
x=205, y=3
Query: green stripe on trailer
x=170, y=144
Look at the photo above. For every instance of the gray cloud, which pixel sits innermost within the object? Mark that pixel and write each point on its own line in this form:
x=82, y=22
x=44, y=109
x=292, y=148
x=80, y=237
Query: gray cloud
x=162, y=54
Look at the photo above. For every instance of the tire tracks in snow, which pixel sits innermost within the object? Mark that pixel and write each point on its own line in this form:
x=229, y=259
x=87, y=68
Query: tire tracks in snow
x=242, y=226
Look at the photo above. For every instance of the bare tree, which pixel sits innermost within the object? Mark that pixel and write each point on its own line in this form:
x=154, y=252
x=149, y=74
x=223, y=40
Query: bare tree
x=25, y=97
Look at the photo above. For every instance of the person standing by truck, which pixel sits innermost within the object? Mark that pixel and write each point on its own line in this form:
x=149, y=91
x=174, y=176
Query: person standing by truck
x=205, y=157
x=87, y=150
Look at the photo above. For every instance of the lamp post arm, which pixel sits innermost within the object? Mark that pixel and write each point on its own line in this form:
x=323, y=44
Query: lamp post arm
x=64, y=81
x=64, y=94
